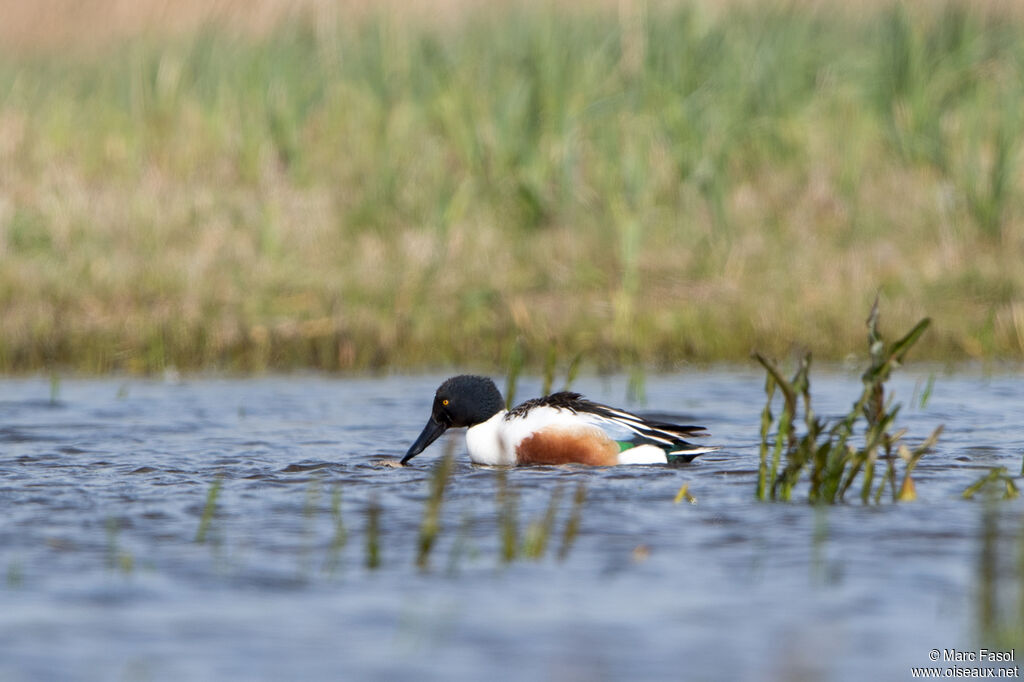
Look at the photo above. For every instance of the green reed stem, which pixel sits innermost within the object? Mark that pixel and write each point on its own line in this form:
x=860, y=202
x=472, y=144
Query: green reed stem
x=573, y=371
x=54, y=388
x=538, y=532
x=550, y=363
x=115, y=557
x=572, y=526
x=209, y=509
x=340, y=537
x=766, y=424
x=431, y=523
x=834, y=464
x=373, y=533
x=507, y=500
x=516, y=359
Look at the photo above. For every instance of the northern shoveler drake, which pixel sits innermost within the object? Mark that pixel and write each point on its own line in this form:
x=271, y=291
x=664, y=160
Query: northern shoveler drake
x=561, y=428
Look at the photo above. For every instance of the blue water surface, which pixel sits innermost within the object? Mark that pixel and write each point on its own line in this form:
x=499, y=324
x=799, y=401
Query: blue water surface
x=115, y=563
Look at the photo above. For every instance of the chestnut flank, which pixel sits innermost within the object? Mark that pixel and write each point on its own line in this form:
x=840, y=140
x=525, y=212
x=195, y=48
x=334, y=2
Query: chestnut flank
x=564, y=446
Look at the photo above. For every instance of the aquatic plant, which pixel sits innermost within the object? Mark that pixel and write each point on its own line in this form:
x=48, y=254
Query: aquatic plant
x=54, y=388
x=209, y=509
x=538, y=531
x=826, y=453
x=536, y=538
x=514, y=364
x=373, y=533
x=684, y=494
x=431, y=523
x=508, y=517
x=15, y=574
x=999, y=580
x=996, y=478
x=309, y=511
x=550, y=363
x=572, y=526
x=117, y=557
x=340, y=537
x=531, y=544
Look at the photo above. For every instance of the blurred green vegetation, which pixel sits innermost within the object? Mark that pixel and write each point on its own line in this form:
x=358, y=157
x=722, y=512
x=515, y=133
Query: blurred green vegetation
x=648, y=186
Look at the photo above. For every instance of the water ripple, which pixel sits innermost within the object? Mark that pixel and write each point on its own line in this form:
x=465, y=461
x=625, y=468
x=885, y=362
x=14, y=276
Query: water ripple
x=171, y=528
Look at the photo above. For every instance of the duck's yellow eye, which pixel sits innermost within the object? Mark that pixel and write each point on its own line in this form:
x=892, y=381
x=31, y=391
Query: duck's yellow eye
x=445, y=401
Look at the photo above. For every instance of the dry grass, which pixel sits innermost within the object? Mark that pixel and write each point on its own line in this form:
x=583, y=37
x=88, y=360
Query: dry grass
x=63, y=23
x=295, y=187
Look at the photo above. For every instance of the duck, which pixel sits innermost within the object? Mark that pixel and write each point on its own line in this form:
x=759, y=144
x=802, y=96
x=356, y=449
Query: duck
x=560, y=428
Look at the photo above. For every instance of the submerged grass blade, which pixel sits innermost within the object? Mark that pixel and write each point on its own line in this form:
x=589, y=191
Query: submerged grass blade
x=1012, y=491
x=340, y=537
x=508, y=518
x=988, y=569
x=684, y=494
x=15, y=575
x=766, y=425
x=537, y=533
x=996, y=474
x=431, y=524
x=309, y=511
x=572, y=526
x=373, y=533
x=54, y=388
x=209, y=509
x=908, y=491
x=116, y=557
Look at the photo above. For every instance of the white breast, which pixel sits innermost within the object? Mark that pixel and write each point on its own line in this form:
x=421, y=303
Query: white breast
x=494, y=442
x=486, y=445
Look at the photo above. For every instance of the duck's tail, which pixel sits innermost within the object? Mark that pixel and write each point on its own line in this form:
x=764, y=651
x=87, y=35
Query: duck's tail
x=642, y=451
x=682, y=455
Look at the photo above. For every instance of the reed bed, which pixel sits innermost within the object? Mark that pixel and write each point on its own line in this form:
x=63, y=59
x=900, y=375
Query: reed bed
x=835, y=457
x=640, y=184
x=517, y=536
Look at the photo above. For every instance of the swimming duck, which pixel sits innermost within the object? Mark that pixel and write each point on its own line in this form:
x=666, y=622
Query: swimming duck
x=560, y=428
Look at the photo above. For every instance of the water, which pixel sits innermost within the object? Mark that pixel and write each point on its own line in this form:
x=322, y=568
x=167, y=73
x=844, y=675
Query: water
x=103, y=492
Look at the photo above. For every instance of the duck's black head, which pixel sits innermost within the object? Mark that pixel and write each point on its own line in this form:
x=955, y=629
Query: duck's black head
x=464, y=400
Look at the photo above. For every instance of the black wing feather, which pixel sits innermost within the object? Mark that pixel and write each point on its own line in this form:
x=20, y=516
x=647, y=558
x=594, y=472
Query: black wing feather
x=662, y=434
x=566, y=400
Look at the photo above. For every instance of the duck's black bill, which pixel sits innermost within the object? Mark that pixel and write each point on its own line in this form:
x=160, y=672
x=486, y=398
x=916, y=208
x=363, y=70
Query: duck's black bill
x=431, y=432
